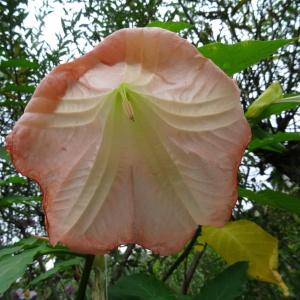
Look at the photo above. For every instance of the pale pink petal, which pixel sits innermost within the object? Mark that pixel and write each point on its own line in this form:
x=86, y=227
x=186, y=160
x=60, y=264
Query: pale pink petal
x=108, y=180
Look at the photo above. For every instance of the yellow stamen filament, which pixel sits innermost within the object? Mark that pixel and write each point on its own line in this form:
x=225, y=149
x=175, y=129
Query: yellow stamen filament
x=127, y=107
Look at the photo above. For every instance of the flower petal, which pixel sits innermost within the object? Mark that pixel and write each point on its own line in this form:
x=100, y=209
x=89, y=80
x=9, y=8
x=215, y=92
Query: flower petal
x=138, y=141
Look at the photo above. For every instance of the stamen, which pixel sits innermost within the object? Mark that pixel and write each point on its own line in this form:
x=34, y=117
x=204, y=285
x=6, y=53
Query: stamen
x=127, y=107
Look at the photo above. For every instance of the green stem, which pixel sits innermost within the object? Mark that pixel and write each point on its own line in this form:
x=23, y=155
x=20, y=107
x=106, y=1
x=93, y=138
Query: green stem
x=184, y=254
x=99, y=291
x=85, y=277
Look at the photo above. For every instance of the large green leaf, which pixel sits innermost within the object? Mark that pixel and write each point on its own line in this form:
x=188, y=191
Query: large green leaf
x=19, y=62
x=15, y=258
x=24, y=244
x=237, y=57
x=140, y=287
x=245, y=241
x=228, y=285
x=13, y=267
x=273, y=139
x=172, y=26
x=44, y=247
x=31, y=242
x=273, y=198
x=9, y=250
x=59, y=267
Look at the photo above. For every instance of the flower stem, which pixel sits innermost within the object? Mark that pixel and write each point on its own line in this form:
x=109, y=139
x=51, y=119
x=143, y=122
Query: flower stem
x=89, y=259
x=99, y=286
x=184, y=254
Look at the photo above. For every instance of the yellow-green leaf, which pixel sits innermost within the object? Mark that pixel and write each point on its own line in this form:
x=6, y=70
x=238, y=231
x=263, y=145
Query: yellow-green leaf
x=269, y=96
x=246, y=241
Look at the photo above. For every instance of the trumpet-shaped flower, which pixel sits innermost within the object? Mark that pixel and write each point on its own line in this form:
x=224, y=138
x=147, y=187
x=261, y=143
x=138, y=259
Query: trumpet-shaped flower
x=138, y=141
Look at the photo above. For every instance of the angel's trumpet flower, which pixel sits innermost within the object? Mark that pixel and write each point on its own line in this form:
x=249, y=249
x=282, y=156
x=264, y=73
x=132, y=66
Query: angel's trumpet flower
x=138, y=141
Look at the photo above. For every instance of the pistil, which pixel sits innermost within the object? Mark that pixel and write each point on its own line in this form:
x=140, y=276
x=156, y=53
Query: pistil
x=127, y=107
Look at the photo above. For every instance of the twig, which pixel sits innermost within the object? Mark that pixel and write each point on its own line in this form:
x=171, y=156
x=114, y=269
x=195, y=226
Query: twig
x=185, y=11
x=184, y=254
x=191, y=271
x=85, y=277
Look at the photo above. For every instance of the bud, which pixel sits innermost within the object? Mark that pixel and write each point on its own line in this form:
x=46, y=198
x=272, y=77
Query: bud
x=269, y=96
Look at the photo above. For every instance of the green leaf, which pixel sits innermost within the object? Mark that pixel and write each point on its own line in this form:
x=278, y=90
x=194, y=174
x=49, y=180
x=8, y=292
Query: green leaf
x=8, y=250
x=59, y=267
x=273, y=198
x=4, y=154
x=237, y=57
x=260, y=134
x=21, y=88
x=244, y=240
x=227, y=285
x=14, y=180
x=23, y=244
x=13, y=267
x=9, y=200
x=273, y=139
x=292, y=99
x=277, y=108
x=172, y=26
x=45, y=247
x=280, y=105
x=30, y=242
x=19, y=62
x=14, y=259
x=140, y=287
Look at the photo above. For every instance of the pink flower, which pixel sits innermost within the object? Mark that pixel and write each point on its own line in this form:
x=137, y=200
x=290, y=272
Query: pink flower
x=138, y=141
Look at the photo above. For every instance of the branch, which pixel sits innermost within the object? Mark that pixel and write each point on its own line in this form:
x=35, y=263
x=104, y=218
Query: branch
x=191, y=271
x=85, y=277
x=184, y=254
x=190, y=19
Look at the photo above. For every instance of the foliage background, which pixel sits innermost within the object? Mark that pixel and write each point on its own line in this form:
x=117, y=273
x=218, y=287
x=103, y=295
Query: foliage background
x=86, y=23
